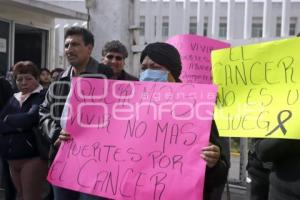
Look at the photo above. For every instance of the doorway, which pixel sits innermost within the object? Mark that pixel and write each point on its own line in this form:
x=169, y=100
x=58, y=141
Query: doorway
x=4, y=47
x=31, y=44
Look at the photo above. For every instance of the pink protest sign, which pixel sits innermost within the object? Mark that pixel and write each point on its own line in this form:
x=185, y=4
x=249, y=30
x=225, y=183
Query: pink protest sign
x=195, y=54
x=135, y=140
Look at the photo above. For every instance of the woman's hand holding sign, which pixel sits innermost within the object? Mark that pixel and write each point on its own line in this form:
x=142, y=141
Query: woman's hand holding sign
x=211, y=154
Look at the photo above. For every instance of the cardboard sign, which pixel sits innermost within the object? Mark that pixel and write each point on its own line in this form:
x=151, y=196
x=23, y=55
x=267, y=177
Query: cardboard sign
x=135, y=140
x=258, y=90
x=195, y=53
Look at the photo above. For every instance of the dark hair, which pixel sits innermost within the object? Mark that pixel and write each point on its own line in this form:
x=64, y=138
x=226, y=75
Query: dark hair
x=115, y=46
x=26, y=67
x=166, y=55
x=298, y=35
x=44, y=70
x=87, y=36
x=58, y=70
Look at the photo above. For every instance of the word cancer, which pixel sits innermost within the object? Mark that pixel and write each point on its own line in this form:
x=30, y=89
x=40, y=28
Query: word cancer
x=126, y=183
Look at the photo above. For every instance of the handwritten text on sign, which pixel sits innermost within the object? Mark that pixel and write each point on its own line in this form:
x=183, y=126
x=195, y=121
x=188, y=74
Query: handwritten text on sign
x=195, y=52
x=258, y=89
x=135, y=140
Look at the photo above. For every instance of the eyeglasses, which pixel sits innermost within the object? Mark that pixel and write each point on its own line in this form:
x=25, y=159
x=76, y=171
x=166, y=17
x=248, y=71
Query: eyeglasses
x=110, y=57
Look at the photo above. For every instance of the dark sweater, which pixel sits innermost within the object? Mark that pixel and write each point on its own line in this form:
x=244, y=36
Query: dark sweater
x=216, y=177
x=5, y=92
x=285, y=175
x=16, y=126
x=127, y=77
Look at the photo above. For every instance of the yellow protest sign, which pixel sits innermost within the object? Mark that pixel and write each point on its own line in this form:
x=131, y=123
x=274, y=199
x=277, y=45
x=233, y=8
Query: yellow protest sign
x=259, y=90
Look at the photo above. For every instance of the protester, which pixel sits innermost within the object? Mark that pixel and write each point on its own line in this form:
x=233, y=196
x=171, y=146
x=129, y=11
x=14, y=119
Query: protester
x=45, y=78
x=56, y=72
x=258, y=172
x=284, y=177
x=6, y=183
x=114, y=54
x=79, y=43
x=18, y=141
x=161, y=62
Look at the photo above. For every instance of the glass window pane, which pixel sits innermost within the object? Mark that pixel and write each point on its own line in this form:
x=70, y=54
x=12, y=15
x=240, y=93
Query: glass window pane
x=142, y=25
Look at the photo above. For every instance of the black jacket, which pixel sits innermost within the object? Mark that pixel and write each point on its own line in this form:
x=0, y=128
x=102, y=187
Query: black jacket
x=5, y=92
x=52, y=107
x=127, y=77
x=285, y=156
x=216, y=177
x=16, y=127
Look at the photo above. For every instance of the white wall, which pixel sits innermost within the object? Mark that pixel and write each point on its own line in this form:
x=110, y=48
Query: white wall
x=110, y=20
x=238, y=13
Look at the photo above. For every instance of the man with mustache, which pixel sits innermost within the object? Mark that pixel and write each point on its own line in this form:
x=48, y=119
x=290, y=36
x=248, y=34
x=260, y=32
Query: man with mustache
x=79, y=43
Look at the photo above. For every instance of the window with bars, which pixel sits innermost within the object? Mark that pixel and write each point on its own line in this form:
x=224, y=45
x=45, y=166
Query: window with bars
x=193, y=25
x=165, y=26
x=257, y=27
x=278, y=26
x=293, y=26
x=142, y=25
x=205, y=26
x=223, y=27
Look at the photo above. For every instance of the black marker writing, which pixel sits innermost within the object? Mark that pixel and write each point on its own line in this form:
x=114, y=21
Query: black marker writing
x=280, y=122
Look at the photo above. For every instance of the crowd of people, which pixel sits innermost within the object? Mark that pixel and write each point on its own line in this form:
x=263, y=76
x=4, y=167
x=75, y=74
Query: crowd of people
x=29, y=109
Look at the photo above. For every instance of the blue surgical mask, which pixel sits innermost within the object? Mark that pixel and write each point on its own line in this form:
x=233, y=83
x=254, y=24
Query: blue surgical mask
x=154, y=75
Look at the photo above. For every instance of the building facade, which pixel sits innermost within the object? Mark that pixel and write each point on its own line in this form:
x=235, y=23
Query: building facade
x=231, y=20
x=235, y=21
x=27, y=32
x=37, y=28
x=61, y=24
x=138, y=22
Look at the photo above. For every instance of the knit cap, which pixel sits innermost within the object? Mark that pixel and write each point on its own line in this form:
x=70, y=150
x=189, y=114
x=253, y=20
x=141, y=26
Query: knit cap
x=166, y=55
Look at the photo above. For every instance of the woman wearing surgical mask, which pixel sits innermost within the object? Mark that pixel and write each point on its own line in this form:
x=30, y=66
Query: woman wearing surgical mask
x=151, y=71
x=160, y=62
